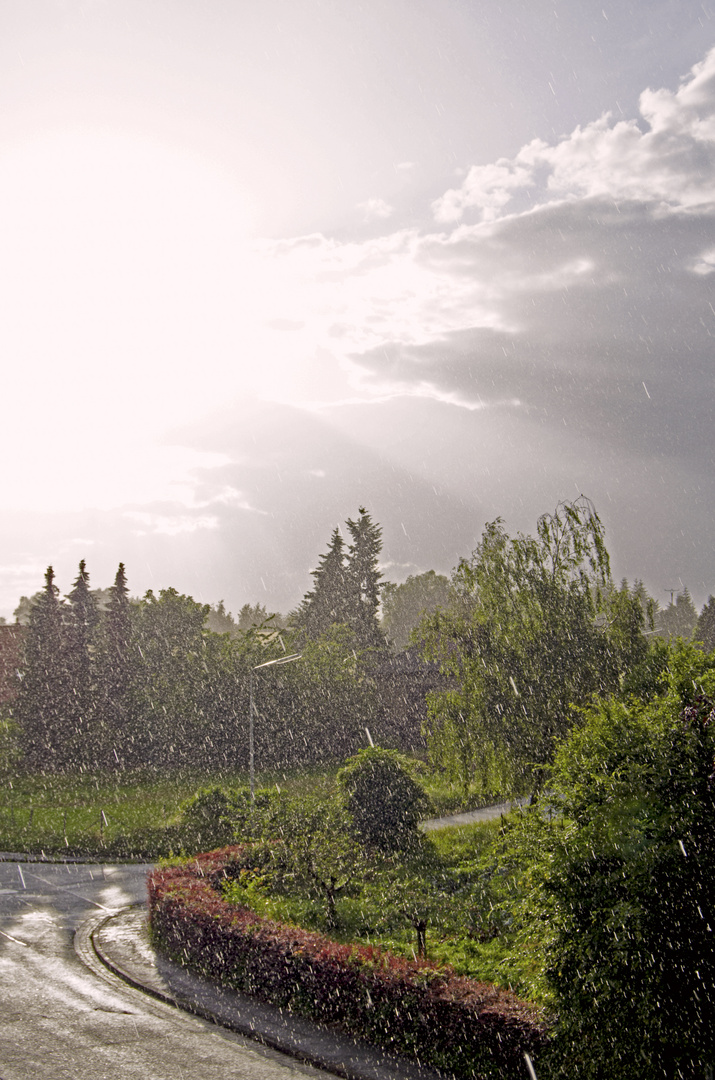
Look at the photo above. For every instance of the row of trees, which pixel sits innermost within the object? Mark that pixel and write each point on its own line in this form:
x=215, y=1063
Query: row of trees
x=681, y=620
x=144, y=682
x=111, y=682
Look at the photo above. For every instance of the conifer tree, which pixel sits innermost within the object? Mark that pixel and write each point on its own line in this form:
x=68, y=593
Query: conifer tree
x=328, y=602
x=40, y=707
x=115, y=671
x=82, y=619
x=705, y=629
x=347, y=585
x=364, y=579
x=679, y=619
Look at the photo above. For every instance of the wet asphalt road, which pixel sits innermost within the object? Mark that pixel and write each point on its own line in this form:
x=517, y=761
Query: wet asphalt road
x=61, y=1021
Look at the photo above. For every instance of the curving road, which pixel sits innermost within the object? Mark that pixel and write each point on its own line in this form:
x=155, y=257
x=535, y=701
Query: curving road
x=62, y=1021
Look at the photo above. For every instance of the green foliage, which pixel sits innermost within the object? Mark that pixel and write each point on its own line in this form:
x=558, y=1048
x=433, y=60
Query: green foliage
x=313, y=854
x=535, y=627
x=322, y=703
x=208, y=820
x=623, y=880
x=143, y=809
x=384, y=800
x=169, y=673
x=403, y=606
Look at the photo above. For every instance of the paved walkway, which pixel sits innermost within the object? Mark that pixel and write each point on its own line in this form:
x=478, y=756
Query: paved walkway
x=486, y=813
x=62, y=1019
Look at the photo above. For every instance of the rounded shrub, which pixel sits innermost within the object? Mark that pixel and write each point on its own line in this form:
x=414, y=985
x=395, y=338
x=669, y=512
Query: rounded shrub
x=207, y=820
x=383, y=798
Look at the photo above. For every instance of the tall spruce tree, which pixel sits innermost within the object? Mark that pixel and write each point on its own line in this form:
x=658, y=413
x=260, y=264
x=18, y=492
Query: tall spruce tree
x=364, y=579
x=328, y=602
x=82, y=619
x=41, y=705
x=115, y=673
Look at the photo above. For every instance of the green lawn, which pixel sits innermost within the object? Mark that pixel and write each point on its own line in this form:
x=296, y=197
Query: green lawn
x=127, y=815
x=136, y=814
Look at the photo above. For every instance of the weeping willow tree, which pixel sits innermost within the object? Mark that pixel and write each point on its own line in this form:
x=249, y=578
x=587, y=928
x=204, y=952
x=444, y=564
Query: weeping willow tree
x=534, y=627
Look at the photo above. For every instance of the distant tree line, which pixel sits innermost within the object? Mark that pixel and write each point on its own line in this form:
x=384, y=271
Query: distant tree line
x=483, y=670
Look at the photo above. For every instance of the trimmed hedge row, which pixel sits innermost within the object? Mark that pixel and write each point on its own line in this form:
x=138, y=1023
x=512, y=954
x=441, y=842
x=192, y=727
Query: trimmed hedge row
x=440, y=1019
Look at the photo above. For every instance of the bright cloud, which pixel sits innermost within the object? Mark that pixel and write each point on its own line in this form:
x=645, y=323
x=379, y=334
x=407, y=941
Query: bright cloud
x=376, y=209
x=673, y=162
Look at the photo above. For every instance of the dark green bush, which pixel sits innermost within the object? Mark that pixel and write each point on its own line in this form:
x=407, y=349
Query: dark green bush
x=383, y=798
x=207, y=820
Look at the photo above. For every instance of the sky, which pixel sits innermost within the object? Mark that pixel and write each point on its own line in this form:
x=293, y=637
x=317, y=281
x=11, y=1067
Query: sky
x=264, y=264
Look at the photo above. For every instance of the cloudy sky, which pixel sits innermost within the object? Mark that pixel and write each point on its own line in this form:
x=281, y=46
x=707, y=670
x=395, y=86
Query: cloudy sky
x=264, y=263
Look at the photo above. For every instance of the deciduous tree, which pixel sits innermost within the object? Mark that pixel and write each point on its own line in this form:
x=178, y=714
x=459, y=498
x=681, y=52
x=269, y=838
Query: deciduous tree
x=535, y=627
x=403, y=606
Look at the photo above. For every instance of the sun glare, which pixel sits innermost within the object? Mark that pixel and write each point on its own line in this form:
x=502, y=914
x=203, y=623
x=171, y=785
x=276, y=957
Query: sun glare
x=131, y=303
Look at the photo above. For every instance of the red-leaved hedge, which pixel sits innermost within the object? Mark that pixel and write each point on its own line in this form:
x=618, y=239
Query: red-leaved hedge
x=470, y=1028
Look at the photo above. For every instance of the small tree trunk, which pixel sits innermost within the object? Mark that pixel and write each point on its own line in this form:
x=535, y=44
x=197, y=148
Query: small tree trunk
x=420, y=926
x=330, y=893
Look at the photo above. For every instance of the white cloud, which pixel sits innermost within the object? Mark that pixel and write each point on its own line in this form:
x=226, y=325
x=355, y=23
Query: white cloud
x=672, y=162
x=169, y=524
x=489, y=187
x=376, y=209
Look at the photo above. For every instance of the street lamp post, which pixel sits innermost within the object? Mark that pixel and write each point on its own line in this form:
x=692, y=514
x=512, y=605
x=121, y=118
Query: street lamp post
x=252, y=709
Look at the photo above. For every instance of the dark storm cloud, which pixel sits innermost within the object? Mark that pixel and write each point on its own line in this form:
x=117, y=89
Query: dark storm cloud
x=595, y=302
